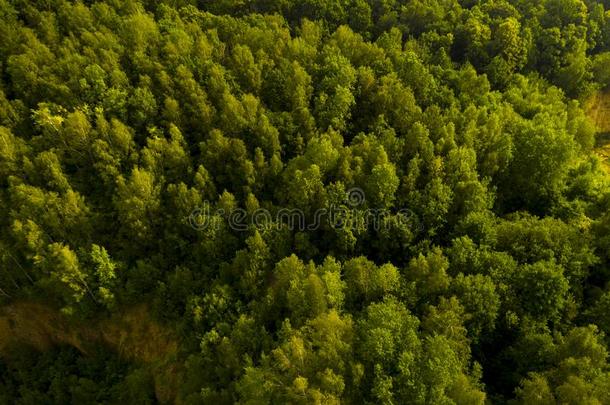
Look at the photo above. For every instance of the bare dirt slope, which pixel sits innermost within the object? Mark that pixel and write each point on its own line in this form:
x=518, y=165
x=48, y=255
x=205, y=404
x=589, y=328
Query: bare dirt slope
x=133, y=334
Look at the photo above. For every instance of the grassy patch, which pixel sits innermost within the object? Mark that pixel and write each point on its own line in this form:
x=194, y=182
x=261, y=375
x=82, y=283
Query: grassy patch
x=598, y=109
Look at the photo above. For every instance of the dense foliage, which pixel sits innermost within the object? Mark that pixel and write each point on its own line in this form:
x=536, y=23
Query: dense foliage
x=64, y=376
x=120, y=119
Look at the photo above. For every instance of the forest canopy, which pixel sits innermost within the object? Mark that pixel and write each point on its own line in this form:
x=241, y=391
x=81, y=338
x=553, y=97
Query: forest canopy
x=134, y=134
